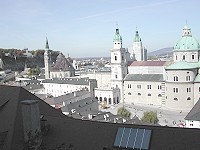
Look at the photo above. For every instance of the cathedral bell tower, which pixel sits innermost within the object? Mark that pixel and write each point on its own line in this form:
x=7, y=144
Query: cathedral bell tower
x=138, y=50
x=47, y=61
x=118, y=64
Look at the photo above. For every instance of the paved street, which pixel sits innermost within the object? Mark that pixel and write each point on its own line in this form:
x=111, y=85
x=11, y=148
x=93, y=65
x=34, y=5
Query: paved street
x=166, y=117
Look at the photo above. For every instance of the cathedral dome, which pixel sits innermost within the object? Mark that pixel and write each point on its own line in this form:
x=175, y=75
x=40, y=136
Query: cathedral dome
x=117, y=36
x=187, y=42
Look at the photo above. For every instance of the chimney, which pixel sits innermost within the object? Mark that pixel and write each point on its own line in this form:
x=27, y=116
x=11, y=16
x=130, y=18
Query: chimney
x=31, y=122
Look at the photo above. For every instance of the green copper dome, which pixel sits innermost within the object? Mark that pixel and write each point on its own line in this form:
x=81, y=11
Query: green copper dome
x=137, y=37
x=117, y=37
x=187, y=42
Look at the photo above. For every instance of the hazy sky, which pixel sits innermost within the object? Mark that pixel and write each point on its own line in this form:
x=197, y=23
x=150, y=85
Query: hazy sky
x=85, y=28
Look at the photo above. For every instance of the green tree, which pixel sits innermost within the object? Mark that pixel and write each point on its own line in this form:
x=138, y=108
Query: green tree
x=123, y=112
x=34, y=71
x=150, y=117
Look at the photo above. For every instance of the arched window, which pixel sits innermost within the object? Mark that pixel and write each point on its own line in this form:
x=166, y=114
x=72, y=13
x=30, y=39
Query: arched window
x=96, y=97
x=149, y=94
x=175, y=78
x=188, y=98
x=139, y=94
x=114, y=102
x=105, y=99
x=176, y=99
x=129, y=93
x=159, y=95
x=117, y=100
x=109, y=100
x=115, y=57
x=100, y=98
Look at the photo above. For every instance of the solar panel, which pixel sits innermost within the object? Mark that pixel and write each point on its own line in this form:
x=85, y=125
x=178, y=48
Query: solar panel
x=146, y=140
x=118, y=137
x=125, y=137
x=133, y=138
x=139, y=137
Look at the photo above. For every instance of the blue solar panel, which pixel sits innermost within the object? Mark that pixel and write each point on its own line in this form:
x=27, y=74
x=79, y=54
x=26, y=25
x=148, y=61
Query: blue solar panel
x=125, y=137
x=146, y=140
x=133, y=138
x=139, y=138
x=118, y=137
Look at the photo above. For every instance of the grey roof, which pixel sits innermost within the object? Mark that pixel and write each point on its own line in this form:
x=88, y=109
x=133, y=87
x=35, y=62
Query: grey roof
x=69, y=96
x=76, y=81
x=100, y=117
x=33, y=87
x=79, y=104
x=62, y=64
x=134, y=120
x=144, y=77
x=68, y=133
x=194, y=113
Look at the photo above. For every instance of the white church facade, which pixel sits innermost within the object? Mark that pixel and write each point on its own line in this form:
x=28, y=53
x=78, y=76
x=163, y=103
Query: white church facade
x=171, y=84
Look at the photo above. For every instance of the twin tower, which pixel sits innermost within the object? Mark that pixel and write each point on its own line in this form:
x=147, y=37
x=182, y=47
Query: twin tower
x=120, y=58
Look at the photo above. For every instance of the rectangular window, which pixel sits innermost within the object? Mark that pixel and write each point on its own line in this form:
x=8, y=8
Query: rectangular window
x=139, y=86
x=175, y=90
x=159, y=87
x=148, y=86
x=192, y=56
x=187, y=78
x=175, y=78
x=188, y=90
x=129, y=85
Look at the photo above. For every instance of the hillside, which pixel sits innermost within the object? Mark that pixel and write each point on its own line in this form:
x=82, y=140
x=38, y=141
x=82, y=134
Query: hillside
x=161, y=52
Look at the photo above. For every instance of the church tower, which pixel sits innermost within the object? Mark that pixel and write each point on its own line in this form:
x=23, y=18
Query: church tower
x=118, y=64
x=47, y=60
x=138, y=50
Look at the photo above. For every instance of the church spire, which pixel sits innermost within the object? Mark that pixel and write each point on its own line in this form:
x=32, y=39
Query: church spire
x=47, y=44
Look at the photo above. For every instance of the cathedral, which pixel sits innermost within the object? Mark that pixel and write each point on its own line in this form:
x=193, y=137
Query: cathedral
x=62, y=68
x=171, y=84
x=135, y=80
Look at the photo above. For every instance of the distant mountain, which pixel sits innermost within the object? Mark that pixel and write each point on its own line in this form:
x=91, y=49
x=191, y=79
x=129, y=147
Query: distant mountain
x=161, y=52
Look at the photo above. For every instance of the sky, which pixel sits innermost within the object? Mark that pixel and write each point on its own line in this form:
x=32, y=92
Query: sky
x=85, y=28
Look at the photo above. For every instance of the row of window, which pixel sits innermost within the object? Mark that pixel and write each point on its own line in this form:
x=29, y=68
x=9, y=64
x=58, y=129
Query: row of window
x=175, y=90
x=183, y=58
x=148, y=86
x=115, y=101
x=176, y=99
x=159, y=95
x=188, y=78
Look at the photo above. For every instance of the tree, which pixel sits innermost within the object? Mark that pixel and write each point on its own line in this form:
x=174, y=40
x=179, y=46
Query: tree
x=123, y=112
x=34, y=71
x=150, y=117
